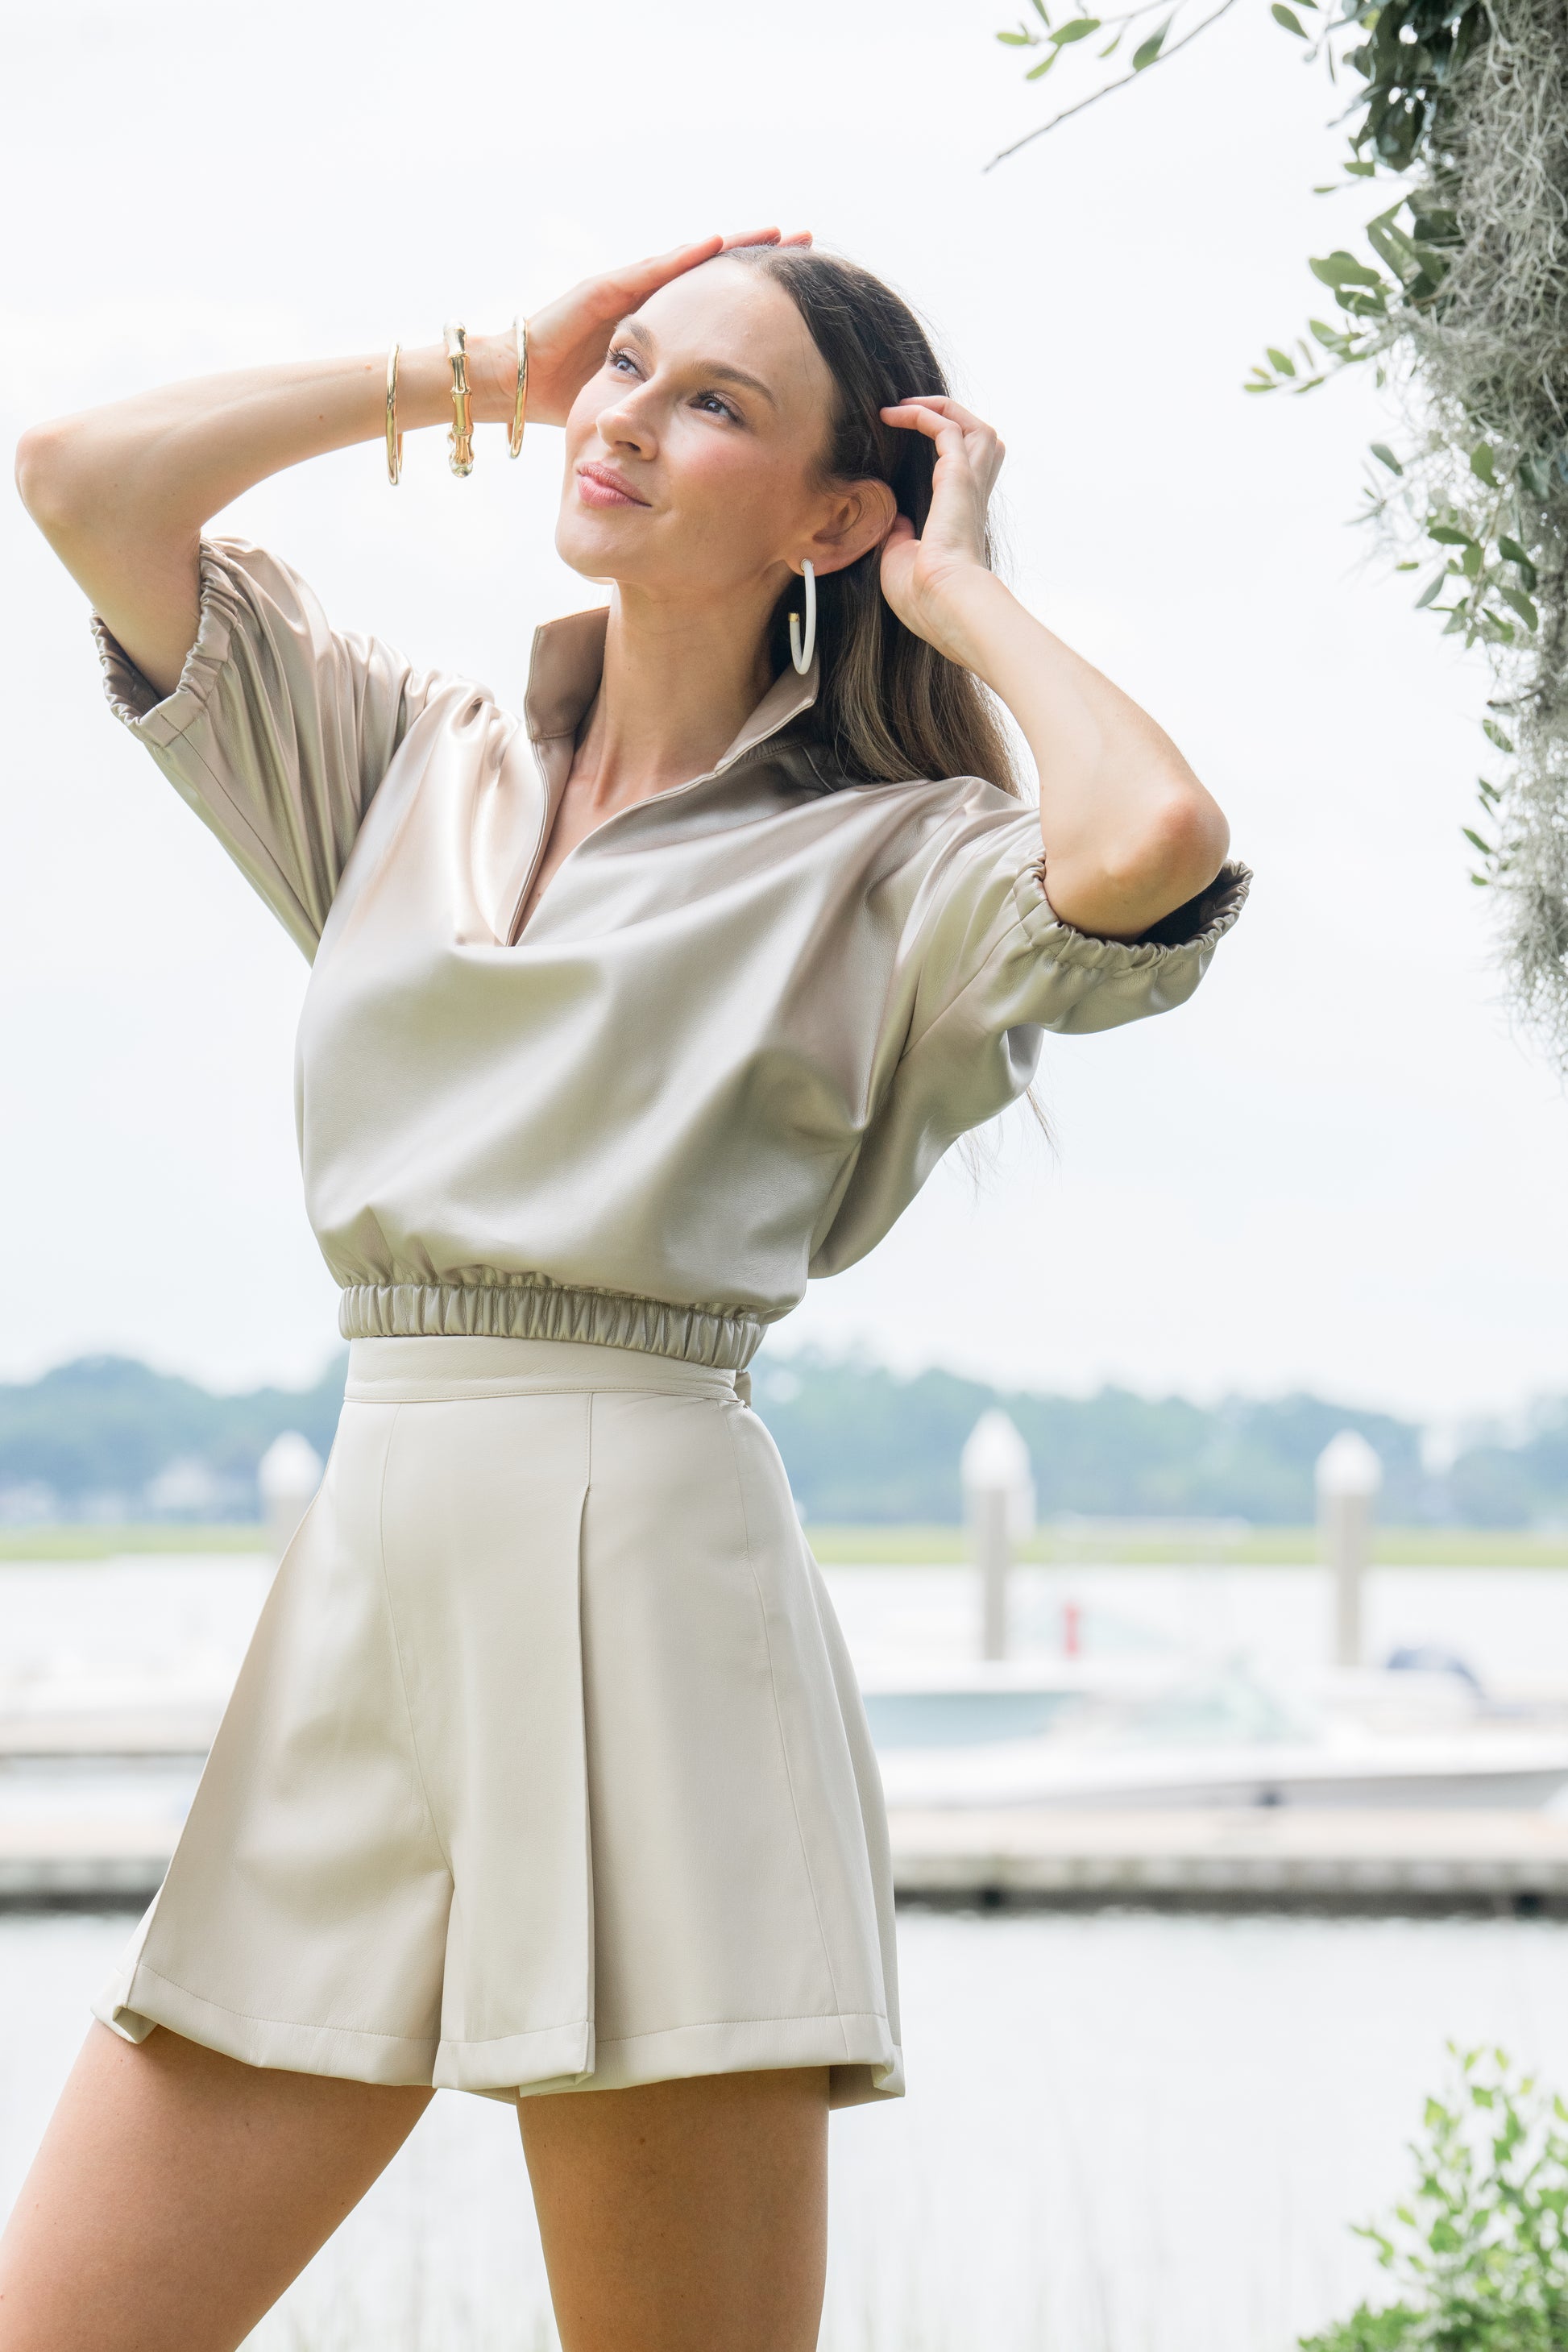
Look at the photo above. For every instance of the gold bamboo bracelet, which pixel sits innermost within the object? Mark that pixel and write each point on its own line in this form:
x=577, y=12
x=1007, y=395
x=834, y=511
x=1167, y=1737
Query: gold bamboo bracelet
x=462, y=437
x=519, y=398
x=393, y=438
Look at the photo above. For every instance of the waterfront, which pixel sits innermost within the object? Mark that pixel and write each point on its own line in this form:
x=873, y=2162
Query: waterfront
x=1125, y=2133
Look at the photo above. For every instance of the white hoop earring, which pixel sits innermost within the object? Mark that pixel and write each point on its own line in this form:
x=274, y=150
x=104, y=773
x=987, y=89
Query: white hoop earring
x=801, y=655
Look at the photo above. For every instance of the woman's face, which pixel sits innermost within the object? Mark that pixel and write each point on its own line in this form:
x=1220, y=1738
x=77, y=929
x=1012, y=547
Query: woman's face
x=692, y=455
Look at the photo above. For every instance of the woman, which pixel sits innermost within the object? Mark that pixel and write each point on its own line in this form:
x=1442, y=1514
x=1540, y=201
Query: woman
x=545, y=1774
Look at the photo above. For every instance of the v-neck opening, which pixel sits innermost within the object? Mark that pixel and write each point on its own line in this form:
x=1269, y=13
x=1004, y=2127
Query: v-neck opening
x=792, y=693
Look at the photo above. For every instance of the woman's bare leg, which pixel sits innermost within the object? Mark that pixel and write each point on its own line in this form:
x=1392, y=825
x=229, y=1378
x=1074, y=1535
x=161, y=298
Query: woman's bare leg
x=177, y=2194
x=684, y=2217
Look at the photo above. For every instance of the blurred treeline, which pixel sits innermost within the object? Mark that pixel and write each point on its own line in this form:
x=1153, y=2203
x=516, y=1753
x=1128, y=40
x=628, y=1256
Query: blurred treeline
x=107, y=1437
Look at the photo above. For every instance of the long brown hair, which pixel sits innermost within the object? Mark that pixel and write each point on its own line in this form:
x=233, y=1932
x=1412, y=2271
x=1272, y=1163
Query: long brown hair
x=890, y=708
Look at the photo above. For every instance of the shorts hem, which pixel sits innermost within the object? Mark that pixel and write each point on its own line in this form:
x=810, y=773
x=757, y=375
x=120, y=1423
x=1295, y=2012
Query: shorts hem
x=864, y=2062
x=133, y=2005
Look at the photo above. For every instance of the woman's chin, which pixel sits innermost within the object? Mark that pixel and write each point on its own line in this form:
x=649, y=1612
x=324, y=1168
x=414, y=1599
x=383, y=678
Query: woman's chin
x=592, y=544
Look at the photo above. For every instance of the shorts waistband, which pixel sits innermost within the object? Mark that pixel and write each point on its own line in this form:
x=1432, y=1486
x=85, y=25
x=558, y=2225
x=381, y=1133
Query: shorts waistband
x=530, y=1307
x=441, y=1371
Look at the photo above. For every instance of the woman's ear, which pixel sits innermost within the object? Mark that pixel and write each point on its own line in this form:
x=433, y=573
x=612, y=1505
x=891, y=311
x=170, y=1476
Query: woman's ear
x=862, y=517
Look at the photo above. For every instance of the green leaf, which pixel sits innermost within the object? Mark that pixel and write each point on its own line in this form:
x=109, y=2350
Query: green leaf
x=1409, y=564
x=1147, y=51
x=1433, y=588
x=1494, y=734
x=1078, y=29
x=1046, y=62
x=1342, y=268
x=1017, y=40
x=1361, y=171
x=1483, y=463
x=1282, y=363
x=1042, y=12
x=1384, y=455
x=1515, y=554
x=1288, y=19
x=1446, y=536
x=1471, y=561
x=1112, y=45
x=1518, y=601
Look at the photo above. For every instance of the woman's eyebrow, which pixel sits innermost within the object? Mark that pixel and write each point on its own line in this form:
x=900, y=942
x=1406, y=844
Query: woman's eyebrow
x=634, y=332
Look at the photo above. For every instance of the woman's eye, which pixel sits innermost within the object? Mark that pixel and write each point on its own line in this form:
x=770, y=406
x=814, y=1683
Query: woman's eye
x=619, y=358
x=716, y=407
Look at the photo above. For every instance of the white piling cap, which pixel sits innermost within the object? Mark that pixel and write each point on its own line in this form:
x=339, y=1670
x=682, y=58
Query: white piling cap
x=291, y=1469
x=1348, y=1467
x=996, y=1459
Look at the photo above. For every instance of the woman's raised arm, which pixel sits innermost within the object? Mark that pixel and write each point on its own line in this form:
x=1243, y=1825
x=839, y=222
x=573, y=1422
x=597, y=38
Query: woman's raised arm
x=121, y=493
x=1130, y=833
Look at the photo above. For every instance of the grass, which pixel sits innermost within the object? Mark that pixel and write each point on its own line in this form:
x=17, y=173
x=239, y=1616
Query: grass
x=1175, y=1546
x=1131, y=1544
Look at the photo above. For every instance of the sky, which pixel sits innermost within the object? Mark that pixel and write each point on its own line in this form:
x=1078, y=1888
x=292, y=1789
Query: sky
x=1336, y=1167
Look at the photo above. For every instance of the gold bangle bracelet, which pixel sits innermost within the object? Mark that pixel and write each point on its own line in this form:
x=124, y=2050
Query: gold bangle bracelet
x=519, y=402
x=393, y=438
x=461, y=437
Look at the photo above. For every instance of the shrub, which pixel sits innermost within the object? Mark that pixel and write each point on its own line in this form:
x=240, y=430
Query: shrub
x=1480, y=2254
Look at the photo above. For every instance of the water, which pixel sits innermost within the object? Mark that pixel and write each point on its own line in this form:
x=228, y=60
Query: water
x=1126, y=2132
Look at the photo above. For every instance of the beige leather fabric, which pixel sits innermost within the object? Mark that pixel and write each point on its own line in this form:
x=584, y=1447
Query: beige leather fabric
x=546, y=1768
x=742, y=1026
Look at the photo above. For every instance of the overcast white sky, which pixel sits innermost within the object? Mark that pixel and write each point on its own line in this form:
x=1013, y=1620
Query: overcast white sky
x=1333, y=1168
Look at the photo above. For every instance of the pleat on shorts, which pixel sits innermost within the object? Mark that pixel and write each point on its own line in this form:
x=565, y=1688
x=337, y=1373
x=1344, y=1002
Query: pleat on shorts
x=546, y=1768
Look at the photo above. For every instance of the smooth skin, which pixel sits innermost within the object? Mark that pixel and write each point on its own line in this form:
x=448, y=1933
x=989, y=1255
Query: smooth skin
x=177, y=2192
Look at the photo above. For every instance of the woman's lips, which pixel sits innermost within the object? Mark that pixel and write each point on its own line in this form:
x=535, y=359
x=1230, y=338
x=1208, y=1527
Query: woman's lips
x=598, y=487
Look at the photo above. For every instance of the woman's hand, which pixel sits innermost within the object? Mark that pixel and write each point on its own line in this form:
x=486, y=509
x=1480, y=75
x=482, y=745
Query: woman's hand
x=568, y=339
x=923, y=577
x=1128, y=831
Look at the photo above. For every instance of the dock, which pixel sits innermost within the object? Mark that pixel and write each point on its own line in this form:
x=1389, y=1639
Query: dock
x=1260, y=1858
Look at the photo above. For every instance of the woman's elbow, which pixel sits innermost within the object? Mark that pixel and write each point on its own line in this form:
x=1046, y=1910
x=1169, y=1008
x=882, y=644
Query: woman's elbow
x=1147, y=868
x=1188, y=842
x=49, y=478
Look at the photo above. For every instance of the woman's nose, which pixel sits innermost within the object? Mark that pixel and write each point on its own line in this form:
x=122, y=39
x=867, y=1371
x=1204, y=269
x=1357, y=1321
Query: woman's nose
x=625, y=422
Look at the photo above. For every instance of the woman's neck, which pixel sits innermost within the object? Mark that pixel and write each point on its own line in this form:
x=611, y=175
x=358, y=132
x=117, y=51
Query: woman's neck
x=677, y=686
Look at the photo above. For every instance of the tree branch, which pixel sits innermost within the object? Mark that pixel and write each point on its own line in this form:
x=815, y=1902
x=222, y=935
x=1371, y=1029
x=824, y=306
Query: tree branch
x=1120, y=83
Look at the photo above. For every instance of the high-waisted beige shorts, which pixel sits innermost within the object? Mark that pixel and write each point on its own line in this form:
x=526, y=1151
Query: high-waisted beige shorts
x=546, y=1768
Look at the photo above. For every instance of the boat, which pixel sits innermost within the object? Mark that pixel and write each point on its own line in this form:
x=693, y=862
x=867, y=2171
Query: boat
x=1140, y=1734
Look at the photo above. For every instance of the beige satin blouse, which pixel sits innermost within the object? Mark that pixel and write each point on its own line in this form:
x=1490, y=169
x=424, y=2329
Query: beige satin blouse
x=745, y=1019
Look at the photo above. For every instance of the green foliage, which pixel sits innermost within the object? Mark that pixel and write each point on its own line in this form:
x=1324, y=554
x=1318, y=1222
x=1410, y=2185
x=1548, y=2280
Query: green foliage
x=105, y=1426
x=1460, y=305
x=1479, y=2253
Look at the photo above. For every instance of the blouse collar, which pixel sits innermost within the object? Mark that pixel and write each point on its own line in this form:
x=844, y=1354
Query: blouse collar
x=568, y=661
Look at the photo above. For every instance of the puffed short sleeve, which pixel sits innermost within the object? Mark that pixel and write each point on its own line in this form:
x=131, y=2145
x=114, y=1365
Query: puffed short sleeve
x=279, y=730
x=995, y=956
x=992, y=967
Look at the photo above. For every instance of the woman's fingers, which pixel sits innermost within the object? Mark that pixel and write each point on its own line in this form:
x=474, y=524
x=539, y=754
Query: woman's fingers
x=956, y=432
x=945, y=406
x=640, y=279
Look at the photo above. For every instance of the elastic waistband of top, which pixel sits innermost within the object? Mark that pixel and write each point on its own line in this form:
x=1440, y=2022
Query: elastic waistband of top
x=534, y=1308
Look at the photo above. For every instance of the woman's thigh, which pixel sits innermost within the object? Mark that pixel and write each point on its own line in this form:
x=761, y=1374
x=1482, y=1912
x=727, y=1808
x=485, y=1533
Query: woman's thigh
x=684, y=2215
x=177, y=2192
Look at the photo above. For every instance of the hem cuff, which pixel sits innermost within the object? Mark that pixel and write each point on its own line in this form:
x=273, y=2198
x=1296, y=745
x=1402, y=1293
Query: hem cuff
x=134, y=699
